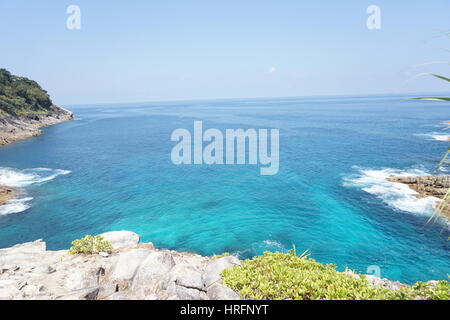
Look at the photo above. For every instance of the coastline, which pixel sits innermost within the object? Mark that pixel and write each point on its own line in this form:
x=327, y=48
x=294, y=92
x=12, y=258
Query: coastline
x=18, y=128
x=435, y=186
x=82, y=267
x=131, y=270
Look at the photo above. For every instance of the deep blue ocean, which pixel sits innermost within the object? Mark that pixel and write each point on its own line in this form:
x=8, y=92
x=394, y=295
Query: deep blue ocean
x=111, y=170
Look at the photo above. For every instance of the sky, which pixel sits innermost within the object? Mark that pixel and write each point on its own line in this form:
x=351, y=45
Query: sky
x=146, y=50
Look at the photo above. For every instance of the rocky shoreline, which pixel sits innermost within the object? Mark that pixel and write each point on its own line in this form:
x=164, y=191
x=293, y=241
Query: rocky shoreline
x=131, y=271
x=19, y=128
x=6, y=194
x=427, y=186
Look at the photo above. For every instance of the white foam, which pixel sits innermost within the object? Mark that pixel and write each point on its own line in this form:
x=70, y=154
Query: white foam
x=444, y=137
x=397, y=195
x=273, y=245
x=15, y=206
x=21, y=178
x=438, y=136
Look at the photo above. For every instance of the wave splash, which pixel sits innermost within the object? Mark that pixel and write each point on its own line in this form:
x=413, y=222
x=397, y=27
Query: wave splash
x=443, y=137
x=438, y=136
x=397, y=195
x=16, y=178
x=22, y=178
x=15, y=206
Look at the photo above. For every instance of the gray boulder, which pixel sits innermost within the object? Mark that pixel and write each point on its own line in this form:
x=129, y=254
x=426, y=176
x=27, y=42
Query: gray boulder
x=218, y=291
x=83, y=294
x=150, y=273
x=33, y=290
x=107, y=290
x=121, y=239
x=82, y=278
x=183, y=293
x=214, y=269
x=21, y=255
x=184, y=275
x=190, y=278
x=118, y=296
x=8, y=289
x=127, y=265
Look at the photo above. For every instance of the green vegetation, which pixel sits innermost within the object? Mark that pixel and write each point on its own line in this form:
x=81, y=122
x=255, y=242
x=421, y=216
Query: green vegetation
x=436, y=98
x=280, y=276
x=22, y=96
x=90, y=245
x=446, y=200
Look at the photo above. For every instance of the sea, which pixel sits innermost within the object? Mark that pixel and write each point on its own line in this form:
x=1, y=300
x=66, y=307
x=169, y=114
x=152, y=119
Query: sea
x=111, y=169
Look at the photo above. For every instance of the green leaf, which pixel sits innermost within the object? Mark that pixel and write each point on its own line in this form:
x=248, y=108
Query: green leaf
x=432, y=98
x=435, y=98
x=442, y=160
x=440, y=77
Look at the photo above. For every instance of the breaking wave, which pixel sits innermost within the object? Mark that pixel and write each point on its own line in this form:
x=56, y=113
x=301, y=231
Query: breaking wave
x=397, y=195
x=444, y=137
x=16, y=178
x=21, y=178
x=15, y=206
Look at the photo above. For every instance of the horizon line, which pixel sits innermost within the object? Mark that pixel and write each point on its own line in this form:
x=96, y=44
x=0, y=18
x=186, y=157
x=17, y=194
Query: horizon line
x=259, y=98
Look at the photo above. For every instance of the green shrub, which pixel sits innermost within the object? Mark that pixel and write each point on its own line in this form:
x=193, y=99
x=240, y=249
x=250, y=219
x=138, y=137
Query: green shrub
x=280, y=276
x=425, y=291
x=90, y=245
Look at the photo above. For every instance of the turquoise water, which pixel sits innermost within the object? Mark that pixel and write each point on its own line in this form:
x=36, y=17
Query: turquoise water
x=111, y=170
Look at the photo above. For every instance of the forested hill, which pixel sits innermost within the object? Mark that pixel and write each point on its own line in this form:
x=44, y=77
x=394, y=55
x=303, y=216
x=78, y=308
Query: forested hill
x=25, y=108
x=21, y=96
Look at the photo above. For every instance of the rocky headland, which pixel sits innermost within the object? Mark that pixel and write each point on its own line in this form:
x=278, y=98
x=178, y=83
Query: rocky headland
x=15, y=128
x=132, y=270
x=25, y=107
x=427, y=186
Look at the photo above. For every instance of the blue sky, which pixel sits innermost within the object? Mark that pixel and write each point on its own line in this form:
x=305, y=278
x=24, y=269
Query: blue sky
x=199, y=49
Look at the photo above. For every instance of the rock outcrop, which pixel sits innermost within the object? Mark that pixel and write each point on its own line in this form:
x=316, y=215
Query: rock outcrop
x=6, y=193
x=25, y=107
x=132, y=270
x=14, y=128
x=426, y=186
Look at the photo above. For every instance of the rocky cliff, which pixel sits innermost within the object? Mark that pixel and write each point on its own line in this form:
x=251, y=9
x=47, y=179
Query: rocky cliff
x=133, y=270
x=15, y=128
x=24, y=108
x=130, y=271
x=425, y=186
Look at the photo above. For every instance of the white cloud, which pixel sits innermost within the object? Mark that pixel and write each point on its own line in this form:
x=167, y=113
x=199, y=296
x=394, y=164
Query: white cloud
x=271, y=70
